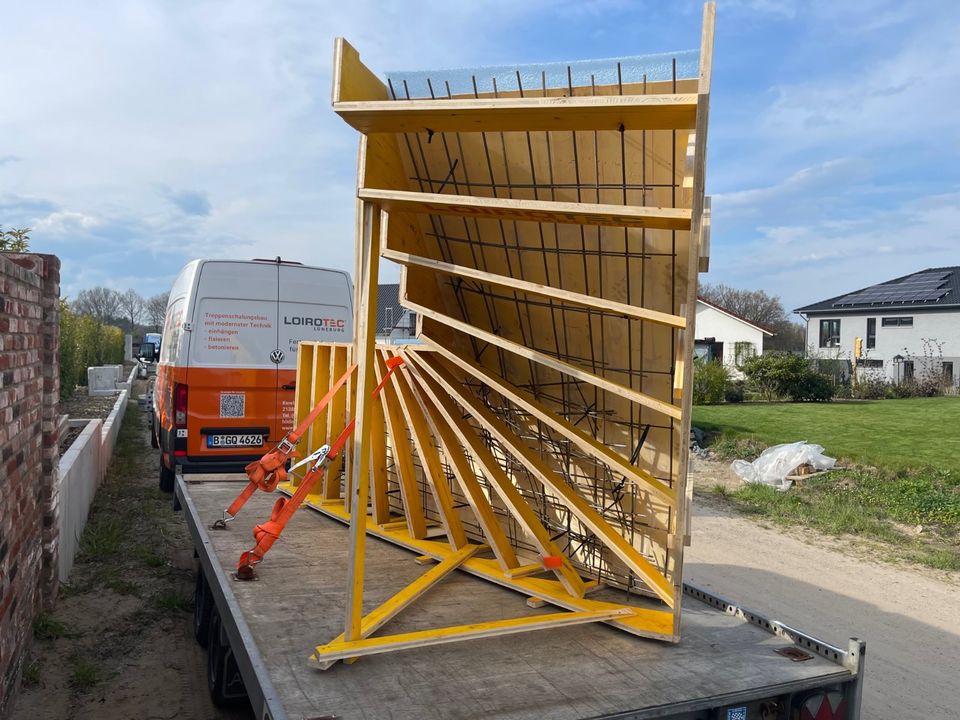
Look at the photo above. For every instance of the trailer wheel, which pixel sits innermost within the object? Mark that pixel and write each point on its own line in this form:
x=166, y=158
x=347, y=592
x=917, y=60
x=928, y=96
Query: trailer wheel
x=223, y=676
x=202, y=604
x=167, y=477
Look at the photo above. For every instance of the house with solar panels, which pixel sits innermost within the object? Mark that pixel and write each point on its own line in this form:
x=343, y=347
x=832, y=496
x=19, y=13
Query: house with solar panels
x=905, y=326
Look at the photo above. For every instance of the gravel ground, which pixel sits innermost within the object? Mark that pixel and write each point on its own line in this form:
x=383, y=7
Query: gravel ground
x=119, y=643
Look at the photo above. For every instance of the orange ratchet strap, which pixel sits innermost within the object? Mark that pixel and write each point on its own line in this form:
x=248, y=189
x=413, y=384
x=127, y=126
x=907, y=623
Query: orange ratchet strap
x=270, y=470
x=267, y=533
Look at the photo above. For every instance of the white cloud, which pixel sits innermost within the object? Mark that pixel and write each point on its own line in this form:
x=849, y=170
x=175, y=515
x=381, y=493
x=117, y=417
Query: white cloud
x=914, y=89
x=64, y=222
x=228, y=103
x=803, y=179
x=805, y=263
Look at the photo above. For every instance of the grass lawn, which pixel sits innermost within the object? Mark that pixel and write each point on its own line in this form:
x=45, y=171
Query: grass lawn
x=891, y=434
x=911, y=501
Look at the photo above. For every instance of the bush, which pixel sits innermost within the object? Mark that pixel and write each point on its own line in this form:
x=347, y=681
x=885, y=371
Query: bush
x=780, y=375
x=871, y=386
x=710, y=380
x=811, y=387
x=735, y=392
x=84, y=343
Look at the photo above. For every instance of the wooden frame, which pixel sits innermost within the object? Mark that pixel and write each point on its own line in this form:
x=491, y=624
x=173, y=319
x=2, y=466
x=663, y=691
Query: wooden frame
x=549, y=242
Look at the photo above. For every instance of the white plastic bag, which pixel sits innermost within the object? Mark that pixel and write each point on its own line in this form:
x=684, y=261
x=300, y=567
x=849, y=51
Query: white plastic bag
x=775, y=463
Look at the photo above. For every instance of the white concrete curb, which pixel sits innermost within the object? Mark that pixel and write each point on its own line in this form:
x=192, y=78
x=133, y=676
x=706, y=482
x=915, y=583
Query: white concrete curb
x=82, y=469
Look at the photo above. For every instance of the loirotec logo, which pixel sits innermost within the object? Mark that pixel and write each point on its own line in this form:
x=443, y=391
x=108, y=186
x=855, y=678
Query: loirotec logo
x=325, y=323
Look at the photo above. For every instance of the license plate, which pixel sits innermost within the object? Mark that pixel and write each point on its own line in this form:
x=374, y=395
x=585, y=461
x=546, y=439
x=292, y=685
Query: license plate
x=218, y=441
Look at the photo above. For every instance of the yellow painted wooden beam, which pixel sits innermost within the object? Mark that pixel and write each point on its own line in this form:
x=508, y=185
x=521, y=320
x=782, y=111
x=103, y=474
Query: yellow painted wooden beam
x=366, y=338
x=645, y=621
x=549, y=361
x=424, y=638
x=495, y=475
x=402, y=455
x=577, y=505
x=464, y=474
x=541, y=211
x=529, y=114
x=587, y=443
x=384, y=613
x=557, y=294
x=435, y=478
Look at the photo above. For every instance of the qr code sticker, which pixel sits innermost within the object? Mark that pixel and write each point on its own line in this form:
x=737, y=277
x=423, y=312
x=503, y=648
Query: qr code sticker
x=739, y=713
x=232, y=404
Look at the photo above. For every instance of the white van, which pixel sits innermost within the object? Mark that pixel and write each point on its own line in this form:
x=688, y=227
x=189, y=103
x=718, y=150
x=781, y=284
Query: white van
x=227, y=370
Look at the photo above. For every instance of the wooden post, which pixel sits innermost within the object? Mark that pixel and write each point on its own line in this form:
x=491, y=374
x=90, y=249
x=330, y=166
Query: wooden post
x=360, y=465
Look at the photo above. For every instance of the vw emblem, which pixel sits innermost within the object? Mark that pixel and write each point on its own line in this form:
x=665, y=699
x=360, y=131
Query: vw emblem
x=277, y=356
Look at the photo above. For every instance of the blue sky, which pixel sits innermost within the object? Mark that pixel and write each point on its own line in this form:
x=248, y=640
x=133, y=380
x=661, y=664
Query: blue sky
x=138, y=134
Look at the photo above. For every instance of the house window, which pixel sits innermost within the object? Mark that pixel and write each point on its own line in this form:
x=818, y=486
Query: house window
x=871, y=333
x=947, y=373
x=871, y=363
x=898, y=322
x=829, y=333
x=388, y=318
x=908, y=370
x=743, y=350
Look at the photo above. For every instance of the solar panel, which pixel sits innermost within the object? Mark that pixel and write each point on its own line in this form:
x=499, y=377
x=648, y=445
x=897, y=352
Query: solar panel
x=922, y=287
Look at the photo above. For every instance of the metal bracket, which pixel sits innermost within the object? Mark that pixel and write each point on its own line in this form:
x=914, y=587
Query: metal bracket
x=221, y=524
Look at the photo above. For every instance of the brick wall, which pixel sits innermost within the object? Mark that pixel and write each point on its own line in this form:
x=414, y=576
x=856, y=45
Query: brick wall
x=29, y=399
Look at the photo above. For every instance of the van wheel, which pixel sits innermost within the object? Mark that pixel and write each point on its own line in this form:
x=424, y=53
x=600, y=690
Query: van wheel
x=223, y=676
x=167, y=477
x=202, y=604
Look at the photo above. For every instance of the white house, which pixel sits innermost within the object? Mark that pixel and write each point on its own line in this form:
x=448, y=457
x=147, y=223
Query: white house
x=906, y=326
x=724, y=335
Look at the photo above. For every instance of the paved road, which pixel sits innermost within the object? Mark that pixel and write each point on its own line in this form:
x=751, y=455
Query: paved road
x=909, y=618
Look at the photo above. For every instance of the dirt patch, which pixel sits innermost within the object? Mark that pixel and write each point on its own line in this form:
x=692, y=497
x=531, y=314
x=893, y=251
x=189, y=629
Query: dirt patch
x=119, y=643
x=85, y=406
x=915, y=546
x=836, y=589
x=706, y=475
x=66, y=440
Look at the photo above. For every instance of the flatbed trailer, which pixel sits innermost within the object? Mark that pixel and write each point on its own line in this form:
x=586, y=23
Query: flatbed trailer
x=731, y=663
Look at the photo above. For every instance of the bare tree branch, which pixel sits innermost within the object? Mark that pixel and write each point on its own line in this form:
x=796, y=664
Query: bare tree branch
x=156, y=309
x=101, y=303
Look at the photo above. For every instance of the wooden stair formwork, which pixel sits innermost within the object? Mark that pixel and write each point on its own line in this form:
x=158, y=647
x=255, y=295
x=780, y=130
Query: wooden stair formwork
x=549, y=240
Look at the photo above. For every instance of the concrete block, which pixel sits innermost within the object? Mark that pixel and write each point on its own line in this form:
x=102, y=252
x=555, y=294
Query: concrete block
x=102, y=380
x=79, y=476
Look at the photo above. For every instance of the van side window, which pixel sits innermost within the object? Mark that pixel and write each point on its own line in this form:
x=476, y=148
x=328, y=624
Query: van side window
x=172, y=332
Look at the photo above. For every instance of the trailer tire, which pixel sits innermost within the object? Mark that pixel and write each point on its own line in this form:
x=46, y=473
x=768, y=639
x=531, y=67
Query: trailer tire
x=167, y=477
x=223, y=676
x=202, y=605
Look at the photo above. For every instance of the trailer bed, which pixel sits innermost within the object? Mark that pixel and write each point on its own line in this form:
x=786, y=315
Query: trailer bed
x=585, y=671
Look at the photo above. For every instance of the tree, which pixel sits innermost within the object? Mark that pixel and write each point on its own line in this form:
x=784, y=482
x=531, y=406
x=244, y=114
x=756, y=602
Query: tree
x=156, y=310
x=132, y=306
x=790, y=337
x=15, y=240
x=100, y=303
x=754, y=306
